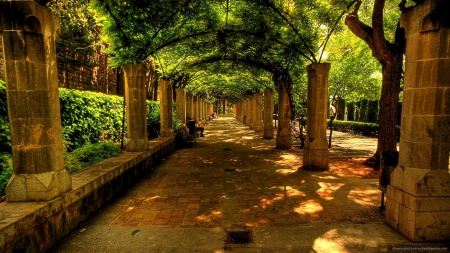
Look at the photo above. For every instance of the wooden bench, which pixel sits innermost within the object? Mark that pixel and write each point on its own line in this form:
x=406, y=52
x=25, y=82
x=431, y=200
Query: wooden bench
x=186, y=136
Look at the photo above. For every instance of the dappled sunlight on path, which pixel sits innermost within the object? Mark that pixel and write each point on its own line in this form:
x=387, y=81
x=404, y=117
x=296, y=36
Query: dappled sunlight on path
x=266, y=184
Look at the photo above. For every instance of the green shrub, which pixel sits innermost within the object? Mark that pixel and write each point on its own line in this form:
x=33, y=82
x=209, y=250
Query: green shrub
x=5, y=134
x=6, y=171
x=90, y=154
x=367, y=129
x=153, y=119
x=88, y=117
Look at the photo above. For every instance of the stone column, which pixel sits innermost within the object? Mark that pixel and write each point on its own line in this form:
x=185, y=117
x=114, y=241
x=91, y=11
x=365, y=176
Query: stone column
x=205, y=115
x=238, y=111
x=224, y=104
x=315, y=154
x=189, y=105
x=198, y=110
x=234, y=111
x=241, y=111
x=166, y=111
x=195, y=114
x=181, y=104
x=268, y=114
x=284, y=137
x=259, y=126
x=418, y=197
x=135, y=93
x=247, y=112
x=28, y=35
x=201, y=120
x=250, y=113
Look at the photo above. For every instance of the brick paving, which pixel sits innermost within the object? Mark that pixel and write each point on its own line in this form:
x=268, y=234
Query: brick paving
x=233, y=166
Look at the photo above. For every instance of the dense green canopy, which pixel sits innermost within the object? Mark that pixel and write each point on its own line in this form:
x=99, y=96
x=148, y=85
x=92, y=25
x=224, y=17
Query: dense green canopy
x=220, y=48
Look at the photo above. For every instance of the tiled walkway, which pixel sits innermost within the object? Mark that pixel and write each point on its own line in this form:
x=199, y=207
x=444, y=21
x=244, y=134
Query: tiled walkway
x=234, y=179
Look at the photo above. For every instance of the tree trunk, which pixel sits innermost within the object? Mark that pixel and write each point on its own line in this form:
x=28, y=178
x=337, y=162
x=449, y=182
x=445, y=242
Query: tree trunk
x=387, y=134
x=390, y=55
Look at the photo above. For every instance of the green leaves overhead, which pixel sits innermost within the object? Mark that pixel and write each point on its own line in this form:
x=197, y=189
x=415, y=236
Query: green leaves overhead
x=221, y=48
x=137, y=29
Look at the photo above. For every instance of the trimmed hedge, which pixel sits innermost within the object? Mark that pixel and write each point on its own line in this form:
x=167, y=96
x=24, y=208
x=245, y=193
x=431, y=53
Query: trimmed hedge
x=86, y=117
x=354, y=127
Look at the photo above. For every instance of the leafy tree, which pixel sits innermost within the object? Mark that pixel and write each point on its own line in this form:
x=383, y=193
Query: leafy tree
x=354, y=75
x=387, y=46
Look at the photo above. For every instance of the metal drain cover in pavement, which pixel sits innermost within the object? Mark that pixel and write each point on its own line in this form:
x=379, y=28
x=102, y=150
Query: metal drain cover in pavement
x=239, y=237
x=227, y=149
x=230, y=169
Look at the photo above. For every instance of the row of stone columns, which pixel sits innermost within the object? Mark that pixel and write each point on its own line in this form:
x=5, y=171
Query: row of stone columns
x=315, y=154
x=192, y=106
x=250, y=112
x=34, y=110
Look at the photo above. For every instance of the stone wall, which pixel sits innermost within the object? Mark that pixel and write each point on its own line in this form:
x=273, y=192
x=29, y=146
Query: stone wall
x=38, y=226
x=93, y=74
x=94, y=77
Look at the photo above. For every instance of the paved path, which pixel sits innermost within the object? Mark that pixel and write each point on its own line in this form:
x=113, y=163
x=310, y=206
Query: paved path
x=232, y=181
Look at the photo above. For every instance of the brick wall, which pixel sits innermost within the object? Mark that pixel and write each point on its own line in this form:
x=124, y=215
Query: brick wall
x=96, y=77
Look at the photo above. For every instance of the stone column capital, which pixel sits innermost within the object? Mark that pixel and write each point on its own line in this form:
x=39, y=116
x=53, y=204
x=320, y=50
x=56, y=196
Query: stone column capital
x=318, y=69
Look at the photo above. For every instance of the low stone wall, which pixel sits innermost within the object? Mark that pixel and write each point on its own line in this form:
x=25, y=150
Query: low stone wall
x=37, y=226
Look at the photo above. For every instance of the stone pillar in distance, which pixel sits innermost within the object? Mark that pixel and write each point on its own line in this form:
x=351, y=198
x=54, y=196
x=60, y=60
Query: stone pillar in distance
x=315, y=154
x=166, y=111
x=197, y=111
x=181, y=104
x=284, y=137
x=418, y=197
x=201, y=118
x=239, y=111
x=252, y=108
x=244, y=112
x=224, y=104
x=134, y=77
x=258, y=112
x=189, y=106
x=32, y=94
x=268, y=114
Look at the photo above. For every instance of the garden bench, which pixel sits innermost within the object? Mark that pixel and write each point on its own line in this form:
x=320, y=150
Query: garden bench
x=186, y=136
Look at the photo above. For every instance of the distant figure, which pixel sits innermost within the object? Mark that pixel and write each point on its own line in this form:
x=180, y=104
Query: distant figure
x=194, y=128
x=214, y=114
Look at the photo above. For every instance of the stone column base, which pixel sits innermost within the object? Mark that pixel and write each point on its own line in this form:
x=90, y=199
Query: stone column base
x=284, y=139
x=268, y=133
x=38, y=187
x=418, y=203
x=166, y=133
x=137, y=145
x=316, y=159
x=259, y=127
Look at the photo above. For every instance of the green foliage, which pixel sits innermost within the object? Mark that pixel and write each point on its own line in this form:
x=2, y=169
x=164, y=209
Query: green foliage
x=78, y=34
x=153, y=119
x=135, y=30
x=92, y=153
x=354, y=127
x=6, y=171
x=5, y=134
x=88, y=117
